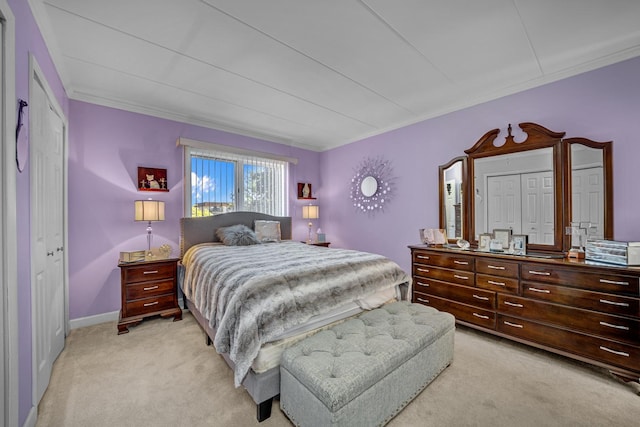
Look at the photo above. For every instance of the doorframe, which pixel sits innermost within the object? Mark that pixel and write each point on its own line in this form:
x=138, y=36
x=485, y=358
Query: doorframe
x=8, y=224
x=35, y=72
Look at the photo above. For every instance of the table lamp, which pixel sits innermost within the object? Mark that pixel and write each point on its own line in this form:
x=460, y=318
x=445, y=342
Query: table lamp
x=149, y=210
x=310, y=212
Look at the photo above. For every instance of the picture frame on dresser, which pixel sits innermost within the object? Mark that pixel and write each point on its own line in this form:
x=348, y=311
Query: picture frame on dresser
x=503, y=235
x=519, y=244
x=483, y=242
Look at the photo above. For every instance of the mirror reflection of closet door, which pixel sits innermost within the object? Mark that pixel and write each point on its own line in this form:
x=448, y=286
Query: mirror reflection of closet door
x=587, y=199
x=504, y=207
x=537, y=207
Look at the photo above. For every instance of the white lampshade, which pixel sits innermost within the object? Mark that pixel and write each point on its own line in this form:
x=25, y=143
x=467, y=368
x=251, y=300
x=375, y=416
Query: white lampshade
x=311, y=212
x=149, y=210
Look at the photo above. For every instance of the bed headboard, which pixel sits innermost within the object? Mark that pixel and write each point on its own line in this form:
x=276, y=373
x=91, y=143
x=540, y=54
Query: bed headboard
x=203, y=229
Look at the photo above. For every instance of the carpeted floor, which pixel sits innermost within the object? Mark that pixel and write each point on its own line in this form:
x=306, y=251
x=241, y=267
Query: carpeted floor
x=162, y=374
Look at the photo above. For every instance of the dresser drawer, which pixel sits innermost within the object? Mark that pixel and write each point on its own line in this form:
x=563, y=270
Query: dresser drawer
x=464, y=294
x=604, y=325
x=498, y=267
x=149, y=289
x=443, y=274
x=599, y=349
x=149, y=305
x=605, y=282
x=149, y=272
x=590, y=300
x=497, y=283
x=463, y=312
x=453, y=261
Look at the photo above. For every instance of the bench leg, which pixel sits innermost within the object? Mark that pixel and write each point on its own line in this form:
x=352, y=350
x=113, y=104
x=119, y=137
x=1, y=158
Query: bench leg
x=264, y=409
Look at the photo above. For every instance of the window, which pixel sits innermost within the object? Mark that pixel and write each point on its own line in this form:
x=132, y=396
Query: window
x=219, y=181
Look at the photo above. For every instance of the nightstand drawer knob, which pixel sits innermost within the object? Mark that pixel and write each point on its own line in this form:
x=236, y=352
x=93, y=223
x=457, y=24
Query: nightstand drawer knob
x=150, y=288
x=150, y=272
x=151, y=303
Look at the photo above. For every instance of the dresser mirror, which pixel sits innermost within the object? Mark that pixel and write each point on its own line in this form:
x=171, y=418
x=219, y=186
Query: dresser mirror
x=590, y=198
x=452, y=178
x=535, y=187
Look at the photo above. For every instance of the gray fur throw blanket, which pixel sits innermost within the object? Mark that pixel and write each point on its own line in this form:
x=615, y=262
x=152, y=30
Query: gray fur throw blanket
x=252, y=294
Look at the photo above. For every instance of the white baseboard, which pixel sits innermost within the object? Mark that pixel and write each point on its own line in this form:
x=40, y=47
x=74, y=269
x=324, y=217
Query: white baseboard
x=94, y=320
x=103, y=318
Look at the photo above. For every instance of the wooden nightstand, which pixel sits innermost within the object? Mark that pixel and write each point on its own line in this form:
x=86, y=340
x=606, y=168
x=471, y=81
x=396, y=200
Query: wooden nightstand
x=324, y=244
x=148, y=288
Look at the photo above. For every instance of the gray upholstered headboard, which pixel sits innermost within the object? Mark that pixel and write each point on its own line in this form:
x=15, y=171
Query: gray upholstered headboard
x=203, y=229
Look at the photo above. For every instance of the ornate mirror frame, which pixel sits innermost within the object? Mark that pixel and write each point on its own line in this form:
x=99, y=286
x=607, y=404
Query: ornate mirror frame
x=607, y=176
x=464, y=194
x=537, y=137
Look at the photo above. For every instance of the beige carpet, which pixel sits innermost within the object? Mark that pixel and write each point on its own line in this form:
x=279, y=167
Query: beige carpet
x=162, y=374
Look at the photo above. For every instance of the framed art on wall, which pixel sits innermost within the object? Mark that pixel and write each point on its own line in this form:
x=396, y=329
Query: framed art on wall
x=152, y=179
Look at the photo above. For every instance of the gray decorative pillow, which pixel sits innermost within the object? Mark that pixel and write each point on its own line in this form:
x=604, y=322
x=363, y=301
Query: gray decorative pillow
x=267, y=231
x=237, y=235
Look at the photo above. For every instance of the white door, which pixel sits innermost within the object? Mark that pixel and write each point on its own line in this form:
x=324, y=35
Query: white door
x=538, y=207
x=587, y=199
x=503, y=206
x=48, y=323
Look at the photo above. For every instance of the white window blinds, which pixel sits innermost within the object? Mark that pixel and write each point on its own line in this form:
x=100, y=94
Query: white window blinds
x=219, y=181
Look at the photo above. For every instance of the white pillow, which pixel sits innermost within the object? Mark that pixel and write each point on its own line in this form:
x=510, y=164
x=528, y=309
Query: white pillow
x=267, y=231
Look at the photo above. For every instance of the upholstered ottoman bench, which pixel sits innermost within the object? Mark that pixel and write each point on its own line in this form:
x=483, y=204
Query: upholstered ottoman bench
x=363, y=371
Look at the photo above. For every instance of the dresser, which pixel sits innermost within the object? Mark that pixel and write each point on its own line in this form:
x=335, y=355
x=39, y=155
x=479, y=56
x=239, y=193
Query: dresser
x=584, y=311
x=148, y=288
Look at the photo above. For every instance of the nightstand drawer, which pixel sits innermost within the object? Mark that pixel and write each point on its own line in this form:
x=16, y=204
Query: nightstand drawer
x=149, y=272
x=149, y=289
x=149, y=305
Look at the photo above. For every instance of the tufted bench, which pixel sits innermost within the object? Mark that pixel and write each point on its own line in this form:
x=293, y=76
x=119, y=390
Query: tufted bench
x=365, y=370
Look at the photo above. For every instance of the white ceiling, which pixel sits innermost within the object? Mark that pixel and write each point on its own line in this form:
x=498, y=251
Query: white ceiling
x=322, y=73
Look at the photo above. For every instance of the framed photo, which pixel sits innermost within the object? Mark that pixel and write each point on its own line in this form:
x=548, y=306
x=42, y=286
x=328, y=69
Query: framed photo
x=503, y=235
x=304, y=191
x=519, y=244
x=152, y=179
x=483, y=242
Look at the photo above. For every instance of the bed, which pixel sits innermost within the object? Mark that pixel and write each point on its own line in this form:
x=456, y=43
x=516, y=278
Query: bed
x=255, y=300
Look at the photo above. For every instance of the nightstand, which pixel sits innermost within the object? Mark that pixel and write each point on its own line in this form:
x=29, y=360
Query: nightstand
x=324, y=244
x=148, y=288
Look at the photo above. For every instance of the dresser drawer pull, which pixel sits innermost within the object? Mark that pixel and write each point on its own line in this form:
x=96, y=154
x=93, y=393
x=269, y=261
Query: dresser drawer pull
x=621, y=304
x=613, y=282
x=426, y=285
x=422, y=270
x=480, y=316
x=457, y=276
x=150, y=288
x=151, y=303
x=423, y=300
x=480, y=298
x=513, y=304
x=422, y=257
x=542, y=291
x=460, y=262
x=150, y=272
x=513, y=325
x=619, y=353
x=495, y=267
x=493, y=282
x=624, y=328
x=540, y=273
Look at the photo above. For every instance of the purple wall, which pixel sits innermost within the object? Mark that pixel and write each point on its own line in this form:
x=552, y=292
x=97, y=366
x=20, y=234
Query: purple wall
x=106, y=146
x=602, y=105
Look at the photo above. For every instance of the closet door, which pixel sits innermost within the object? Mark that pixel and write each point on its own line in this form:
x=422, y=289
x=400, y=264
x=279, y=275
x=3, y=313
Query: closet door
x=504, y=210
x=47, y=228
x=537, y=207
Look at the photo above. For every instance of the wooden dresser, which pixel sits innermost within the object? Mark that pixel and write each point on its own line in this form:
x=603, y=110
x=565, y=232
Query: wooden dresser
x=577, y=309
x=148, y=288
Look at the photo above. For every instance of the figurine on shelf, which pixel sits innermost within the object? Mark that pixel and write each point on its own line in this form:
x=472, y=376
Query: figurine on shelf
x=306, y=191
